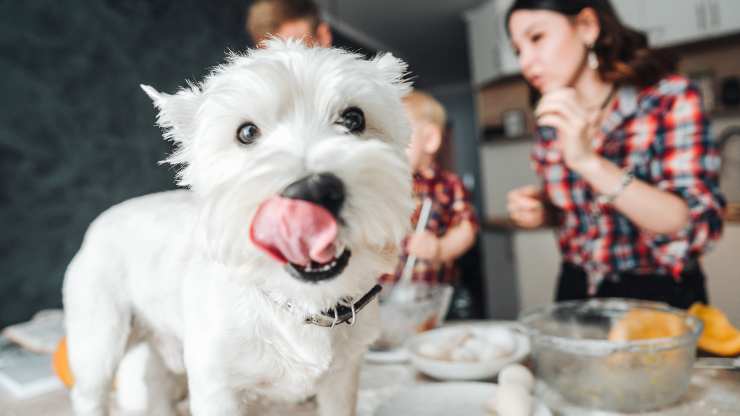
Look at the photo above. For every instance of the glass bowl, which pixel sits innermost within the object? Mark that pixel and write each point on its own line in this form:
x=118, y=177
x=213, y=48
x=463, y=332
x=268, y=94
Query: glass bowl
x=417, y=307
x=580, y=350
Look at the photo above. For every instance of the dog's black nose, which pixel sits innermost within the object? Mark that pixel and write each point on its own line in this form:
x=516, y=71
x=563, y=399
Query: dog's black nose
x=323, y=189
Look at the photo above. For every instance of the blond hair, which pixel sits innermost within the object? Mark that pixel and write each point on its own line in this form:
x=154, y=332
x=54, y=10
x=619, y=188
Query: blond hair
x=265, y=16
x=426, y=107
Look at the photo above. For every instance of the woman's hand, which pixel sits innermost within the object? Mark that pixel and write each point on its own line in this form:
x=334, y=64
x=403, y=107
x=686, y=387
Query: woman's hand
x=424, y=245
x=525, y=207
x=561, y=110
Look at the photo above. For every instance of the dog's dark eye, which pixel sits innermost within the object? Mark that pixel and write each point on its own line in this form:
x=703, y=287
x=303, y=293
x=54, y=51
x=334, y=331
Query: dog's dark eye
x=353, y=119
x=247, y=133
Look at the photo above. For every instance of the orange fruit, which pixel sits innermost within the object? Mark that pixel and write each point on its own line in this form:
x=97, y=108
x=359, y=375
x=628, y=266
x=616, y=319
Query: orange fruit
x=60, y=364
x=719, y=336
x=642, y=324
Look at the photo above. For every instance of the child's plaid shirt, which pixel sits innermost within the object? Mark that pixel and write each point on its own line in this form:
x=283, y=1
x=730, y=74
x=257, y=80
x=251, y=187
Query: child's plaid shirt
x=451, y=205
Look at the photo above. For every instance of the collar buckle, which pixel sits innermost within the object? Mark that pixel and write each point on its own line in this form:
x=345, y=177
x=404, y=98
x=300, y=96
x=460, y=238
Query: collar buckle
x=343, y=313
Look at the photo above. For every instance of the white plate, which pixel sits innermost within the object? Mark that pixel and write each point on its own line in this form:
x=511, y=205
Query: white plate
x=445, y=399
x=460, y=370
x=395, y=356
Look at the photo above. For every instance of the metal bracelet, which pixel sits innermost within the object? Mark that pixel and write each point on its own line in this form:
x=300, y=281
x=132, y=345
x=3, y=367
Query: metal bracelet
x=609, y=198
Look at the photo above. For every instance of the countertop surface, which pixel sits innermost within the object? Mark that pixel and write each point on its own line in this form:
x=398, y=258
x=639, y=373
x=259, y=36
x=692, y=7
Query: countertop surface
x=711, y=393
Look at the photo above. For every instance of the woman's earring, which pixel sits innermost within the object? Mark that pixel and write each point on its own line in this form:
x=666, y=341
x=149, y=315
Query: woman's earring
x=593, y=60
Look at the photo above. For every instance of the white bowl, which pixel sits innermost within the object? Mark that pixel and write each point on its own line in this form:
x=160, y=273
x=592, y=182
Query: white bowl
x=465, y=370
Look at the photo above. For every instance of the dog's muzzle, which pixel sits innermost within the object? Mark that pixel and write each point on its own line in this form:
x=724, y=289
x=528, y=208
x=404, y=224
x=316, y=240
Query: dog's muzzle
x=327, y=191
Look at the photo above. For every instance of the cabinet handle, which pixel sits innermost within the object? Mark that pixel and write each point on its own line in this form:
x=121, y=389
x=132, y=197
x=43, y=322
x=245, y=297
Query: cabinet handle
x=715, y=14
x=497, y=59
x=701, y=15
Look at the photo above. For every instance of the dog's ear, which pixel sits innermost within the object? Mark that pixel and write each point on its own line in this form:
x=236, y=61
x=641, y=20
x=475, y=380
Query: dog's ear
x=394, y=70
x=176, y=111
x=177, y=117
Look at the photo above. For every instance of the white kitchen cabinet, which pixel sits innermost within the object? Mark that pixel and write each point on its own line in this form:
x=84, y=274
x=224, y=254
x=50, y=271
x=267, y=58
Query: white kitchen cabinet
x=504, y=166
x=673, y=22
x=491, y=55
x=721, y=267
x=482, y=42
x=521, y=270
x=537, y=262
x=500, y=291
x=508, y=61
x=631, y=12
x=670, y=22
x=723, y=17
x=666, y=22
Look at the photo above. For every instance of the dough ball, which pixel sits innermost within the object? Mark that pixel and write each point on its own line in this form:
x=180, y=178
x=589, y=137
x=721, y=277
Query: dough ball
x=516, y=374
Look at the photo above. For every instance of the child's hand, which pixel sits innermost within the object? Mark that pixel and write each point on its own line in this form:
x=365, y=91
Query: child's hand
x=424, y=245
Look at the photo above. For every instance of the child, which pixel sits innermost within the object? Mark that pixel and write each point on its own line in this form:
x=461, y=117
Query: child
x=452, y=225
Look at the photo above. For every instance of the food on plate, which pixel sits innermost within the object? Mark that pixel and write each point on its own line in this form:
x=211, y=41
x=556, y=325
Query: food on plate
x=516, y=374
x=471, y=345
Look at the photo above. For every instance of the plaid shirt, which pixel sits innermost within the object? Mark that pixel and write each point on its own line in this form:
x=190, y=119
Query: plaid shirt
x=661, y=135
x=450, y=206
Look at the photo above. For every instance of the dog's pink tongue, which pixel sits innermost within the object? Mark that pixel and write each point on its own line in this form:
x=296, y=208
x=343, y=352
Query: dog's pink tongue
x=294, y=230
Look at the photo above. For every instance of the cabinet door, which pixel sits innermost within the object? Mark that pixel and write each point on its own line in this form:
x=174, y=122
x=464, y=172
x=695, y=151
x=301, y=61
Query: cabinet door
x=631, y=12
x=482, y=41
x=670, y=22
x=507, y=58
x=723, y=17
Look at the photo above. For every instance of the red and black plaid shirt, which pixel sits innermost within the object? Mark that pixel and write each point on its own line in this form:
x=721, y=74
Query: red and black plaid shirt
x=450, y=206
x=661, y=135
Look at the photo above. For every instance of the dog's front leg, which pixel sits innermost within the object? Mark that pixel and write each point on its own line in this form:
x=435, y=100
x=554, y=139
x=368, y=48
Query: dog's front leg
x=210, y=390
x=337, y=392
x=211, y=395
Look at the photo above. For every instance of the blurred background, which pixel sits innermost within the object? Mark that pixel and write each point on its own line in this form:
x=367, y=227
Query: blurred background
x=77, y=135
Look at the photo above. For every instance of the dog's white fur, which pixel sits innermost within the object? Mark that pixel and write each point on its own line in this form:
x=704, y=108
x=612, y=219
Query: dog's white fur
x=176, y=270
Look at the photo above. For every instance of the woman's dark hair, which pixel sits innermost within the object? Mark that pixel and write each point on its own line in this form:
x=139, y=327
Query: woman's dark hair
x=623, y=52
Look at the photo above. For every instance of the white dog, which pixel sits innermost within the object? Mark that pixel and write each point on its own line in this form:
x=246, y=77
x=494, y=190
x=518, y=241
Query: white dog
x=251, y=282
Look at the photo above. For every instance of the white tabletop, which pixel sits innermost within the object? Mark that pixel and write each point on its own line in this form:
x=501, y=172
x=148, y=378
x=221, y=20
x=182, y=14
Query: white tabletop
x=711, y=393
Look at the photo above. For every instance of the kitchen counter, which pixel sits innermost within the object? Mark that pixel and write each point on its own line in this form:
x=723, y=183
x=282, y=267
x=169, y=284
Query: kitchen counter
x=712, y=393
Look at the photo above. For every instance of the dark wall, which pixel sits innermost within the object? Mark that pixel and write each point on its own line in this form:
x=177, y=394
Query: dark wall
x=76, y=133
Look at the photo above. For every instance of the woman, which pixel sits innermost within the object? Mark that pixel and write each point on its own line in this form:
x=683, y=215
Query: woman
x=628, y=167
